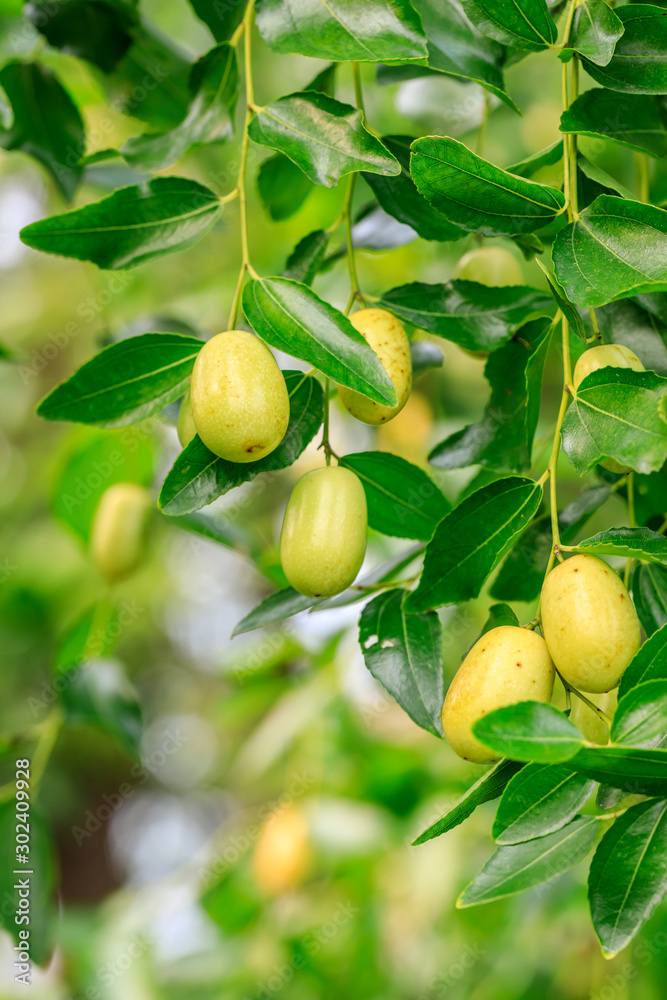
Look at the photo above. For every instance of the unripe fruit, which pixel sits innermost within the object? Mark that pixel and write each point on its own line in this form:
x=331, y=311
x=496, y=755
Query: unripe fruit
x=604, y=356
x=589, y=623
x=507, y=665
x=489, y=266
x=239, y=397
x=185, y=427
x=282, y=854
x=118, y=531
x=389, y=340
x=323, y=541
x=588, y=722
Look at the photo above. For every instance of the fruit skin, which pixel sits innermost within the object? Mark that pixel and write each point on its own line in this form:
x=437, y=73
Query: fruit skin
x=489, y=266
x=186, y=427
x=386, y=336
x=603, y=356
x=118, y=532
x=323, y=541
x=507, y=665
x=591, y=725
x=239, y=397
x=282, y=853
x=589, y=623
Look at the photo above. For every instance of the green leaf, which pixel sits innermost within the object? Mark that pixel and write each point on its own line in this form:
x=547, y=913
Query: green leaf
x=425, y=355
x=545, y=158
x=499, y=614
x=519, y=867
x=638, y=65
x=293, y=319
x=615, y=414
x=632, y=543
x=469, y=314
x=99, y=694
x=470, y=541
x=402, y=499
x=403, y=652
x=125, y=382
x=593, y=181
x=529, y=731
x=616, y=248
x=642, y=712
x=46, y=123
x=487, y=788
x=570, y=312
x=386, y=571
x=282, y=186
x=628, y=875
x=399, y=197
x=342, y=30
x=595, y=31
x=477, y=195
x=633, y=120
x=637, y=770
x=165, y=215
x=305, y=260
x=86, y=639
x=214, y=82
x=649, y=592
x=523, y=24
x=43, y=913
x=198, y=476
x=100, y=33
x=324, y=138
x=275, y=608
x=503, y=439
x=538, y=800
x=222, y=18
x=521, y=575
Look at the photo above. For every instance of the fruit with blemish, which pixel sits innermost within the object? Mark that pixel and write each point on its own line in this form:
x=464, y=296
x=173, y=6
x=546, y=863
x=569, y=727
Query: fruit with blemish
x=386, y=336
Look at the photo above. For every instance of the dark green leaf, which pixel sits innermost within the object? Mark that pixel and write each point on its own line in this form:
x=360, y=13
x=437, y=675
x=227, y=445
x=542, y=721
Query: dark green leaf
x=499, y=614
x=425, y=355
x=305, y=260
x=631, y=119
x=293, y=319
x=639, y=771
x=100, y=32
x=282, y=186
x=471, y=315
x=595, y=31
x=342, y=30
x=642, y=712
x=570, y=312
x=470, y=541
x=220, y=16
x=633, y=543
x=275, y=608
x=503, y=439
x=638, y=65
x=628, y=875
x=402, y=499
x=43, y=913
x=46, y=122
x=135, y=224
x=594, y=181
x=326, y=139
x=214, y=83
x=649, y=591
x=125, y=382
x=615, y=249
x=477, y=195
x=529, y=731
x=615, y=414
x=198, y=476
x=519, y=867
x=403, y=652
x=540, y=799
x=545, y=158
x=523, y=24
x=99, y=694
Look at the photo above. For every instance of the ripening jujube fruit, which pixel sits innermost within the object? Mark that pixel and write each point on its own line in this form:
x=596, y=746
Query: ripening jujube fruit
x=323, y=540
x=239, y=398
x=507, y=665
x=588, y=722
x=386, y=336
x=489, y=266
x=589, y=623
x=185, y=427
x=118, y=531
x=282, y=853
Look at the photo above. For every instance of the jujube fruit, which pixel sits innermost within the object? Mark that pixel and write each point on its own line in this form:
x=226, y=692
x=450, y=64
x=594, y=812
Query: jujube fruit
x=489, y=266
x=386, y=336
x=282, y=853
x=588, y=722
x=507, y=665
x=323, y=541
x=239, y=398
x=118, y=531
x=589, y=623
x=185, y=427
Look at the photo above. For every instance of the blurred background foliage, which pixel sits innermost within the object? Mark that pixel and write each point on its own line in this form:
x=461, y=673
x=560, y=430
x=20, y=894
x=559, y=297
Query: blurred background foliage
x=255, y=840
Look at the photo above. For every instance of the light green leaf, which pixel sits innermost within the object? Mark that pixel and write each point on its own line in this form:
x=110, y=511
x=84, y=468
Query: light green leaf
x=632, y=543
x=529, y=731
x=538, y=800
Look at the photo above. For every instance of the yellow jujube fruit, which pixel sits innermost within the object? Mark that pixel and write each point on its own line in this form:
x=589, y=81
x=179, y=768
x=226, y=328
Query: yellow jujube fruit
x=186, y=422
x=507, y=665
x=389, y=340
x=323, y=541
x=282, y=853
x=239, y=398
x=589, y=623
x=118, y=531
x=489, y=266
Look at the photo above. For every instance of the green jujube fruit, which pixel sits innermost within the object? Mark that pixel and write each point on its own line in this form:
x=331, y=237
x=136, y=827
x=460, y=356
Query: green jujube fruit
x=323, y=540
x=386, y=336
x=589, y=623
x=185, y=427
x=239, y=398
x=491, y=266
x=507, y=665
x=118, y=531
x=588, y=722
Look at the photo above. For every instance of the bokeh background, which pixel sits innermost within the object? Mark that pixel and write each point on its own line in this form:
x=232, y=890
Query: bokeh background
x=166, y=866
